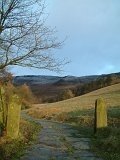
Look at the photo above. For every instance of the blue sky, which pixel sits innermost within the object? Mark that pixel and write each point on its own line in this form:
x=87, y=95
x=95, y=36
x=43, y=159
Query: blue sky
x=93, y=31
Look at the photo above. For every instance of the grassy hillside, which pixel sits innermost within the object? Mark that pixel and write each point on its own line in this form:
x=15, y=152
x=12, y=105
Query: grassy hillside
x=79, y=112
x=111, y=95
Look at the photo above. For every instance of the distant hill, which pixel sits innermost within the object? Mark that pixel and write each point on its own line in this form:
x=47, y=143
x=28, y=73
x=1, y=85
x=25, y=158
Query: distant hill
x=40, y=79
x=48, y=88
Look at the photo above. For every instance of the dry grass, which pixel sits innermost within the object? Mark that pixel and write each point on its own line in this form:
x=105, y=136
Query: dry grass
x=12, y=149
x=79, y=112
x=111, y=95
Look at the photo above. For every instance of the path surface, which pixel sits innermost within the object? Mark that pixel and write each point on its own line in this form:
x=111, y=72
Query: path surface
x=55, y=142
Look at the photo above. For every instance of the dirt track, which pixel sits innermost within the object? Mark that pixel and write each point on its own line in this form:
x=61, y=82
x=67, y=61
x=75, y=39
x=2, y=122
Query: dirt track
x=56, y=142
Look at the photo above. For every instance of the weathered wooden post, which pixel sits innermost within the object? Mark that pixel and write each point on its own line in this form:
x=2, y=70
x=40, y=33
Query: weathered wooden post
x=13, y=119
x=100, y=114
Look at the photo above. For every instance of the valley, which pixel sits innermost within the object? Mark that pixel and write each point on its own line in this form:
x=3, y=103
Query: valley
x=49, y=89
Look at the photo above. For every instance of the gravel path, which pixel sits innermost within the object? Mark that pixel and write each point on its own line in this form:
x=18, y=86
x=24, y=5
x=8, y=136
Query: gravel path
x=55, y=142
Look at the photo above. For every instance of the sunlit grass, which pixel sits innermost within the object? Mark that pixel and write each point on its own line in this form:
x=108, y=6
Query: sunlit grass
x=14, y=149
x=79, y=112
x=111, y=95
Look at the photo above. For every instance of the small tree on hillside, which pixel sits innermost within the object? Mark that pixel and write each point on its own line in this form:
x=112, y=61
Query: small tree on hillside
x=25, y=40
x=66, y=94
x=27, y=96
x=24, y=92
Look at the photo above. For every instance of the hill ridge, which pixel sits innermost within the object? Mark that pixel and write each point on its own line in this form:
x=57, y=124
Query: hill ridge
x=50, y=88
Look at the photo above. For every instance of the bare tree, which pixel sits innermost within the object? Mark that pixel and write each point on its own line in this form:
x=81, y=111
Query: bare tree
x=25, y=40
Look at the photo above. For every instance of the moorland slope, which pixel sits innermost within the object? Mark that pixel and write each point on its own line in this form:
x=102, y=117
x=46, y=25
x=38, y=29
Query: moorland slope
x=111, y=94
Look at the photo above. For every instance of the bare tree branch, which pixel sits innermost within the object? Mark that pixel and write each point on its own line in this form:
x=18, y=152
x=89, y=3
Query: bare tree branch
x=25, y=40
